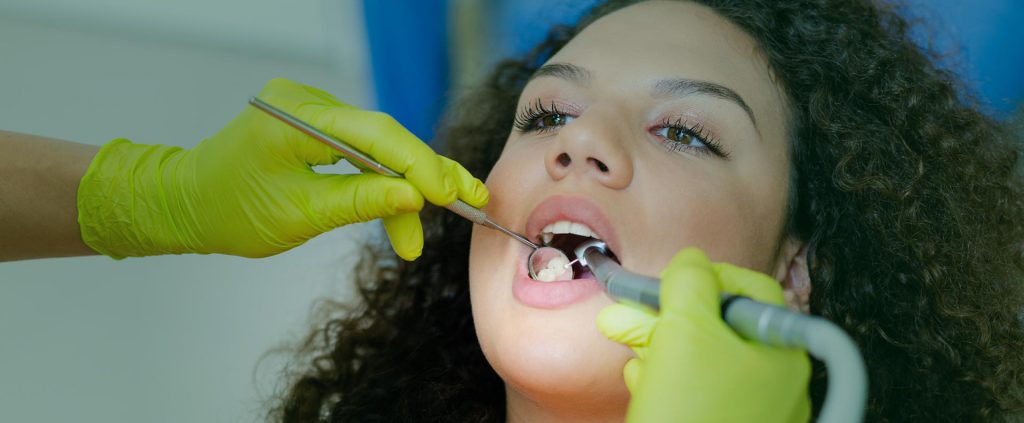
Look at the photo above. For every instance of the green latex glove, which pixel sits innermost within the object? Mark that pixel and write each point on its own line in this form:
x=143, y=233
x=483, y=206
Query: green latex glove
x=250, y=190
x=691, y=367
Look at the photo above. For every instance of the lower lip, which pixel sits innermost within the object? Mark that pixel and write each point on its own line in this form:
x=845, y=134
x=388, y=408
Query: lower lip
x=551, y=295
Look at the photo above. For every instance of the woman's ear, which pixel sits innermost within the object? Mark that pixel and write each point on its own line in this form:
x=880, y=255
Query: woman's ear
x=792, y=273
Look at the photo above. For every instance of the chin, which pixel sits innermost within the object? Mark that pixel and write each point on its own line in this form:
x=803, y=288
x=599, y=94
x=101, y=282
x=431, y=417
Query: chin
x=563, y=360
x=555, y=356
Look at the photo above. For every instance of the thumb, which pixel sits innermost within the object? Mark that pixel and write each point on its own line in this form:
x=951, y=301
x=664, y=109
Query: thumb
x=631, y=374
x=338, y=200
x=749, y=283
x=626, y=325
x=690, y=287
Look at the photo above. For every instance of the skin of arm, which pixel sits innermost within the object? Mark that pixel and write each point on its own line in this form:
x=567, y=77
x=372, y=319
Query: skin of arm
x=39, y=180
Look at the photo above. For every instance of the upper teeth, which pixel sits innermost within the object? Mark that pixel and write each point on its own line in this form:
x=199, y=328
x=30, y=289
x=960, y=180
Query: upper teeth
x=566, y=227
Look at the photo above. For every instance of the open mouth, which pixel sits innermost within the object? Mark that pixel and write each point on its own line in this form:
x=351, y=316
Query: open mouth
x=567, y=244
x=561, y=223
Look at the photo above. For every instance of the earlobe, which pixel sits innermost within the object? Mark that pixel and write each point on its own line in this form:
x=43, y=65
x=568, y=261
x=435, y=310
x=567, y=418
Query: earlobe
x=795, y=277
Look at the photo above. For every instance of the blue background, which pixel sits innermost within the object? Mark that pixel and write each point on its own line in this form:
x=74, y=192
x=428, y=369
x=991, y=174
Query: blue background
x=409, y=50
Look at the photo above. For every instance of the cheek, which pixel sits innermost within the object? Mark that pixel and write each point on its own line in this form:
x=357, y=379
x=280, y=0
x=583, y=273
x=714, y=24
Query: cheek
x=730, y=218
x=692, y=217
x=516, y=172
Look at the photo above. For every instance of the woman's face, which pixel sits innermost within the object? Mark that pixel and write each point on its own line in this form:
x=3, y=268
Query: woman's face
x=658, y=128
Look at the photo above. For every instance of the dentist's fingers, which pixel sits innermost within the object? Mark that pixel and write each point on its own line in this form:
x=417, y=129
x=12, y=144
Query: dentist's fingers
x=690, y=289
x=380, y=136
x=339, y=200
x=470, y=189
x=631, y=374
x=749, y=283
x=406, y=235
x=626, y=325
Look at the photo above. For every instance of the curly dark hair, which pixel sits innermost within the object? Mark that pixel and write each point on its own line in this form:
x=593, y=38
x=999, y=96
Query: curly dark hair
x=909, y=199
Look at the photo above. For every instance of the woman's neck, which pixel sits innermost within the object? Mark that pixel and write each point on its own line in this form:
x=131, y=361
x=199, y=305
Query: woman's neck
x=521, y=409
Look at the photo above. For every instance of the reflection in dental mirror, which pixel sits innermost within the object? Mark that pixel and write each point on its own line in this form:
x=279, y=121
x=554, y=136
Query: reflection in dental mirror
x=548, y=264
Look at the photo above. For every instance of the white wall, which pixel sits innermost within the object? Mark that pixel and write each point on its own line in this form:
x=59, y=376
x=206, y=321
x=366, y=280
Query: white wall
x=166, y=339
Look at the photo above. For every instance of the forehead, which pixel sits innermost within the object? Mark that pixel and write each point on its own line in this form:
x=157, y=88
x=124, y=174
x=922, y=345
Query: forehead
x=649, y=41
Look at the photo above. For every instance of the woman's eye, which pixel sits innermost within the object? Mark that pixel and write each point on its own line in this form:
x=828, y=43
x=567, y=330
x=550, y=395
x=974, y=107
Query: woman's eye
x=550, y=120
x=681, y=135
x=540, y=117
x=694, y=139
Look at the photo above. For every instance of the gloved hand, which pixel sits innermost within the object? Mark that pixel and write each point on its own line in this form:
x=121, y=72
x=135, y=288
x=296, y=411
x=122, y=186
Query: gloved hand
x=250, y=190
x=691, y=367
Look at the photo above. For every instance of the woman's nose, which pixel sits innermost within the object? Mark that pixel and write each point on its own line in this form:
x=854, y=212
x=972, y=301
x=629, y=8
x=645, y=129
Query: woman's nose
x=591, y=148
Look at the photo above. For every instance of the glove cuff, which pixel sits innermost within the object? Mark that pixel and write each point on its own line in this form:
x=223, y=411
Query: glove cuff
x=122, y=207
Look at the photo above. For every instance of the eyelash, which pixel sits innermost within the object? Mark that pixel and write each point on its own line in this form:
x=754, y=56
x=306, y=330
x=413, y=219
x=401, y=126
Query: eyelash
x=695, y=130
x=527, y=120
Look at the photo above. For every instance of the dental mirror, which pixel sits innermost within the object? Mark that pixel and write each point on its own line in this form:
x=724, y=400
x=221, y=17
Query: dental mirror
x=549, y=264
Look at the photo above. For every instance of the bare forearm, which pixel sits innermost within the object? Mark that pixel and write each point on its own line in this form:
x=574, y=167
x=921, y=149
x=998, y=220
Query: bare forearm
x=38, y=189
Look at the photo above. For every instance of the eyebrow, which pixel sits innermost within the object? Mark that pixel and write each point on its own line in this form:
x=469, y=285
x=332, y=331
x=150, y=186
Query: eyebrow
x=675, y=87
x=681, y=87
x=566, y=71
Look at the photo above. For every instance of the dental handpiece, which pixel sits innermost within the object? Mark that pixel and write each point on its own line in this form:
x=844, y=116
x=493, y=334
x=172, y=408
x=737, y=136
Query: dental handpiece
x=459, y=207
x=755, y=321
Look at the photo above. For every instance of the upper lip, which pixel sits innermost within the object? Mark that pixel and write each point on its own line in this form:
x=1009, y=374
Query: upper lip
x=574, y=209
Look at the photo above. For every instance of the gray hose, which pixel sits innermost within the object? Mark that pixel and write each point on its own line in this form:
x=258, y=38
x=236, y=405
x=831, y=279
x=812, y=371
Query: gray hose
x=759, y=322
x=847, y=376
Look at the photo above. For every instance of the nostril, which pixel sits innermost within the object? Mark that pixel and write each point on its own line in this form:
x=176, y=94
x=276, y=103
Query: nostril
x=564, y=159
x=600, y=165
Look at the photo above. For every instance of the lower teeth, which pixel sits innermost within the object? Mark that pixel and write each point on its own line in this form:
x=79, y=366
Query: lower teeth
x=555, y=270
